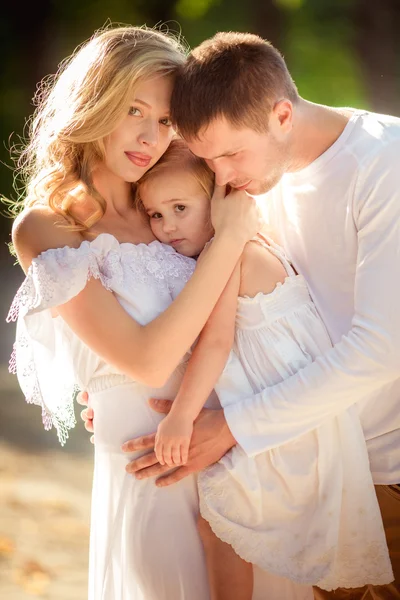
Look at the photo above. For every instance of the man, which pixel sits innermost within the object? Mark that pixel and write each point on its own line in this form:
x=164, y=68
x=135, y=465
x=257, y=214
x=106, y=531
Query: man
x=332, y=183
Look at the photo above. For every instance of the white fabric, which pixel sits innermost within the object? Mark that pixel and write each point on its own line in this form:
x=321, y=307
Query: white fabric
x=306, y=510
x=144, y=541
x=339, y=222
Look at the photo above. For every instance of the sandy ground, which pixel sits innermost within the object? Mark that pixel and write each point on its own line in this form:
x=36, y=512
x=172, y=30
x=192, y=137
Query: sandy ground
x=44, y=504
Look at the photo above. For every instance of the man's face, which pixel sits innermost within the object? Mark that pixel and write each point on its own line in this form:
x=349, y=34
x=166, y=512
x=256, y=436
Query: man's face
x=242, y=158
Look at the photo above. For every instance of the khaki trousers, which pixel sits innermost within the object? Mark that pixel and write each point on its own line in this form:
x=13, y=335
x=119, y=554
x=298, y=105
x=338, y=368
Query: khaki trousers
x=389, y=503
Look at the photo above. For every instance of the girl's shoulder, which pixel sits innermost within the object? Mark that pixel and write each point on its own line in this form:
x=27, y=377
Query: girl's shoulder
x=261, y=270
x=37, y=229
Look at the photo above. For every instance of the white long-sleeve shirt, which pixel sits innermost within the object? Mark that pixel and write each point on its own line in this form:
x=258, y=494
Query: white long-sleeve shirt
x=339, y=221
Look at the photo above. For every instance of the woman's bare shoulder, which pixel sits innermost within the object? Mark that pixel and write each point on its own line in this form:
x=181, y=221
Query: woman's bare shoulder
x=38, y=228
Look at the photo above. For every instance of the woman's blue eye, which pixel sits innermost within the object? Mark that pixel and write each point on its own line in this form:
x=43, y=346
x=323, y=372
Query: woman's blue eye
x=167, y=122
x=134, y=112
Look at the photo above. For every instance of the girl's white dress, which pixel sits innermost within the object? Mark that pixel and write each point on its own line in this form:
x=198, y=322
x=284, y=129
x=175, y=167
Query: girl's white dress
x=144, y=541
x=306, y=510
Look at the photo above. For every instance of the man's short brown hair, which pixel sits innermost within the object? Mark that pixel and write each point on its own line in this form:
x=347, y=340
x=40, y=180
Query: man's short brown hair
x=238, y=76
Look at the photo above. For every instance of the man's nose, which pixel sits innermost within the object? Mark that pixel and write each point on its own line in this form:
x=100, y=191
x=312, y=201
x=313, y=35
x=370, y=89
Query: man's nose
x=223, y=172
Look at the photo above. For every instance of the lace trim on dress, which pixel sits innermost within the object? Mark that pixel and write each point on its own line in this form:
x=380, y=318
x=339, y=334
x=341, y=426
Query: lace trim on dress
x=162, y=267
x=43, y=289
x=42, y=286
x=355, y=568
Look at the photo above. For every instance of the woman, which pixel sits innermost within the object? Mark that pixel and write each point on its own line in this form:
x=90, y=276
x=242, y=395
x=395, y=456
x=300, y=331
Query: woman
x=96, y=307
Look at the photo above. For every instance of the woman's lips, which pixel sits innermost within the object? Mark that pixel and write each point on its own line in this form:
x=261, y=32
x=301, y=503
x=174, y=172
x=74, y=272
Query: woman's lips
x=140, y=160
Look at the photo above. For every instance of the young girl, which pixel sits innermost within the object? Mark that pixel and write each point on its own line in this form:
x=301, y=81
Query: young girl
x=306, y=510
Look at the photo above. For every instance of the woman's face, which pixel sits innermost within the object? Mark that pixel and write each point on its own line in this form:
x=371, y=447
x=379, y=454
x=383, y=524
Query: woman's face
x=179, y=210
x=145, y=132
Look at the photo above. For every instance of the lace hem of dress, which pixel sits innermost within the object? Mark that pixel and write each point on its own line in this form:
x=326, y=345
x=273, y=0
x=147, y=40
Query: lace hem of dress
x=62, y=418
x=372, y=565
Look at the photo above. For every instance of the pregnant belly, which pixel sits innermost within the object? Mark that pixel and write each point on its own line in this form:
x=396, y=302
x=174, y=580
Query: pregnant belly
x=122, y=412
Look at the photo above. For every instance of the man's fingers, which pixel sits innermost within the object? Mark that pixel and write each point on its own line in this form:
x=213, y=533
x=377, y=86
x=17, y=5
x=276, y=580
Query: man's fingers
x=142, y=463
x=152, y=471
x=141, y=443
x=185, y=453
x=82, y=398
x=159, y=405
x=174, y=477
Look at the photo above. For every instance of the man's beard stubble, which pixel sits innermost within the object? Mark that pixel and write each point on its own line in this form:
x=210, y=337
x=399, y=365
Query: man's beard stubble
x=274, y=175
x=262, y=187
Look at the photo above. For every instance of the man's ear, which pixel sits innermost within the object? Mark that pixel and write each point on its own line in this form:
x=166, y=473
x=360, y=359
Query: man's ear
x=281, y=118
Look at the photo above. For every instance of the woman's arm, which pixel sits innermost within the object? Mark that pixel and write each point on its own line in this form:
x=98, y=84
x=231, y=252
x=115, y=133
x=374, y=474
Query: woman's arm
x=204, y=368
x=147, y=353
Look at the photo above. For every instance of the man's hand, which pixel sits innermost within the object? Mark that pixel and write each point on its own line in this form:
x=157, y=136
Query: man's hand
x=87, y=415
x=211, y=439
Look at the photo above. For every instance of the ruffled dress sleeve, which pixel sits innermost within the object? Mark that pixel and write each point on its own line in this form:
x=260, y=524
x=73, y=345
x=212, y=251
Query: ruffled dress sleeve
x=43, y=355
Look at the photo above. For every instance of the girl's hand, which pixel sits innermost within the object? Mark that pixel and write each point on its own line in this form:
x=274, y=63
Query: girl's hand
x=236, y=213
x=173, y=439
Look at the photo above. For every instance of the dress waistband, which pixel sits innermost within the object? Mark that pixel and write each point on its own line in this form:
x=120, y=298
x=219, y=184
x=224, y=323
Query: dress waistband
x=105, y=382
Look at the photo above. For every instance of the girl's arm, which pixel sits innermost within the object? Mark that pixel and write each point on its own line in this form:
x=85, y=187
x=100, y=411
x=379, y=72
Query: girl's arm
x=147, y=353
x=258, y=271
x=204, y=368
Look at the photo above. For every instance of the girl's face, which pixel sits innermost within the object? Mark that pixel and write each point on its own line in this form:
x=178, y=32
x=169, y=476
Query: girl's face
x=179, y=210
x=144, y=134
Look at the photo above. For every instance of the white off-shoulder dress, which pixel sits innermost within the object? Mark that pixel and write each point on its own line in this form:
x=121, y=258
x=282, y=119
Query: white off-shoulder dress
x=306, y=510
x=144, y=543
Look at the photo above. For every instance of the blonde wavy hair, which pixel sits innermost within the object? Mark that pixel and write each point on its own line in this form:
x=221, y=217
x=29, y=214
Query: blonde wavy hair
x=80, y=106
x=178, y=156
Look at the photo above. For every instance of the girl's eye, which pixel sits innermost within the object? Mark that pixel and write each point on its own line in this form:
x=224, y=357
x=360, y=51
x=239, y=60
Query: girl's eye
x=180, y=207
x=134, y=112
x=156, y=216
x=166, y=121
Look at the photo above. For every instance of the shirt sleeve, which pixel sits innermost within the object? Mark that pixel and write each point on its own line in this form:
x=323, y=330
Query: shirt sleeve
x=368, y=357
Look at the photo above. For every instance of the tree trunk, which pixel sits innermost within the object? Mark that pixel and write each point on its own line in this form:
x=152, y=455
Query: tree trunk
x=377, y=41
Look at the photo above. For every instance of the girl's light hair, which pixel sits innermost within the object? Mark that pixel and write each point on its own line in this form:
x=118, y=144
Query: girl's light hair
x=179, y=156
x=81, y=105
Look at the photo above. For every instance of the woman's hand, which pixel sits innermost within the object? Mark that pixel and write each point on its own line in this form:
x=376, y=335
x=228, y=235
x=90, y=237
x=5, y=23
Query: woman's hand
x=87, y=415
x=173, y=439
x=236, y=213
